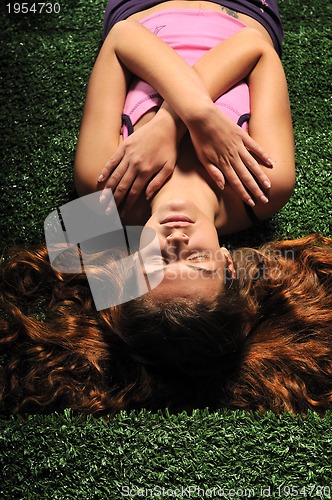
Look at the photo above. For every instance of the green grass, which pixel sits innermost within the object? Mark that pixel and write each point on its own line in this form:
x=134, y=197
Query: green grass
x=66, y=457
x=45, y=64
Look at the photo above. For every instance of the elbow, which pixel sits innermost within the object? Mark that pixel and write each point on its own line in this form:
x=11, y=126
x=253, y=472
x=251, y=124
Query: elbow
x=283, y=186
x=279, y=195
x=283, y=195
x=85, y=181
x=288, y=185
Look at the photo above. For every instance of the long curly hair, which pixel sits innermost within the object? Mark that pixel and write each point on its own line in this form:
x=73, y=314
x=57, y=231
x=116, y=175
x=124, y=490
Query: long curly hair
x=264, y=343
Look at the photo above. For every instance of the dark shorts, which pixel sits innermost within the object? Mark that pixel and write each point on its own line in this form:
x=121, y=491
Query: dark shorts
x=266, y=12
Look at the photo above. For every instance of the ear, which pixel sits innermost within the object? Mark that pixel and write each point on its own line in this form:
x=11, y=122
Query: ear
x=229, y=262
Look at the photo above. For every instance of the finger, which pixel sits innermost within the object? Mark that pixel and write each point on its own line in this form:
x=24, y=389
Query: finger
x=215, y=174
x=255, y=148
x=123, y=187
x=114, y=179
x=238, y=187
x=252, y=165
x=234, y=180
x=240, y=178
x=111, y=208
x=134, y=193
x=158, y=181
x=105, y=196
x=112, y=163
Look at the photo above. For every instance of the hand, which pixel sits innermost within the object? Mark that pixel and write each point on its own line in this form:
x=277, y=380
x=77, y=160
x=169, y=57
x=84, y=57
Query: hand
x=226, y=151
x=149, y=154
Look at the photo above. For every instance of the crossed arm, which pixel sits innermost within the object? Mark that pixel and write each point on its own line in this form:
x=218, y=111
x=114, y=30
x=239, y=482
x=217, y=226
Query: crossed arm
x=223, y=152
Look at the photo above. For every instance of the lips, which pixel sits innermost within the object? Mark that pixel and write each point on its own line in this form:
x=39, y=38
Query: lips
x=176, y=224
x=177, y=218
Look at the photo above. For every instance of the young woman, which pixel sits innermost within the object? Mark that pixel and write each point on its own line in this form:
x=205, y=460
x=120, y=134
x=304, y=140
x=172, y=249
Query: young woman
x=221, y=146
x=258, y=336
x=223, y=52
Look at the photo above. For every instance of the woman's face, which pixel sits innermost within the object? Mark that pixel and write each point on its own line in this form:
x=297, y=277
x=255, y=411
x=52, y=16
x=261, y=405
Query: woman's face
x=186, y=255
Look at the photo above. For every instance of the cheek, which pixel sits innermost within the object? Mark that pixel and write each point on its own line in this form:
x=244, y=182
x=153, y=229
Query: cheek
x=209, y=242
x=149, y=239
x=208, y=233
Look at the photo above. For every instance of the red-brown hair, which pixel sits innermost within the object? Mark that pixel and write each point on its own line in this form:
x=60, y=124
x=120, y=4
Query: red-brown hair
x=57, y=351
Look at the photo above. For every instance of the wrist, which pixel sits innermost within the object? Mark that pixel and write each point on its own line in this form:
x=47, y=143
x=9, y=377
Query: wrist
x=170, y=122
x=202, y=114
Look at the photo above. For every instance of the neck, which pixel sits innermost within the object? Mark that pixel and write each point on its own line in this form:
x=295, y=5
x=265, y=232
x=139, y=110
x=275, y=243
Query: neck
x=189, y=184
x=189, y=181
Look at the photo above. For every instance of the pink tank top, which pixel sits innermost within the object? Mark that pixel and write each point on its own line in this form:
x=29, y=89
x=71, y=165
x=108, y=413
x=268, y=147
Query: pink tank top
x=191, y=33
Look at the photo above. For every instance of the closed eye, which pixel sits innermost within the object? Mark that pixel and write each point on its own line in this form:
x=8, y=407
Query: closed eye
x=199, y=256
x=202, y=270
x=159, y=262
x=158, y=259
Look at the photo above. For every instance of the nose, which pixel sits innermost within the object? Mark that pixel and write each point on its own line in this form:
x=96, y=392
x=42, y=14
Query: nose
x=177, y=236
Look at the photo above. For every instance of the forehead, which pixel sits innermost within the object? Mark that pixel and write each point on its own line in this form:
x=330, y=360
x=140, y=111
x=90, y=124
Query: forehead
x=190, y=284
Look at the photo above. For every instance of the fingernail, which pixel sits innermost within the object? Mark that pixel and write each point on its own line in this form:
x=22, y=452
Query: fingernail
x=266, y=184
x=100, y=178
x=264, y=199
x=251, y=202
x=102, y=198
x=108, y=211
x=221, y=185
x=270, y=161
x=148, y=196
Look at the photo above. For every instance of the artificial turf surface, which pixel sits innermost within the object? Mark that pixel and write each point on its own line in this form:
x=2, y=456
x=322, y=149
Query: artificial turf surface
x=46, y=60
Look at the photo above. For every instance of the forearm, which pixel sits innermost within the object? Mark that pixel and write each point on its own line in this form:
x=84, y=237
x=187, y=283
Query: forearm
x=220, y=68
x=231, y=61
x=221, y=146
x=152, y=60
